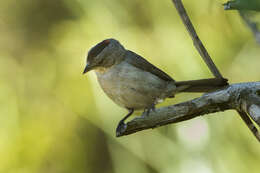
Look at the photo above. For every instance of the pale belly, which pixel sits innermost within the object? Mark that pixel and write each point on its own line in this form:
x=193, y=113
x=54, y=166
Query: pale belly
x=131, y=87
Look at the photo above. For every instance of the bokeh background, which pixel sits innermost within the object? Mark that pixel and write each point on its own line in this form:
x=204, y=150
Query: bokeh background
x=53, y=119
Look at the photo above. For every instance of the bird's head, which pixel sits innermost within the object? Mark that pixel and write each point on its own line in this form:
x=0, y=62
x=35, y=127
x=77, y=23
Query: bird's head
x=104, y=54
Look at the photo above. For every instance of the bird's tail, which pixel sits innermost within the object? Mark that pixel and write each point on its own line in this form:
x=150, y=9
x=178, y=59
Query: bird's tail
x=203, y=85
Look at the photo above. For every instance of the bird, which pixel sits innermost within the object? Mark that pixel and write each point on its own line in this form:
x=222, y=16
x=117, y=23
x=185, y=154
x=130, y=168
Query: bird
x=134, y=83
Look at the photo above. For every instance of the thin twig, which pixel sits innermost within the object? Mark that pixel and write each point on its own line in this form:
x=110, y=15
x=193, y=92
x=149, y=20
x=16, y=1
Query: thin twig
x=196, y=40
x=249, y=124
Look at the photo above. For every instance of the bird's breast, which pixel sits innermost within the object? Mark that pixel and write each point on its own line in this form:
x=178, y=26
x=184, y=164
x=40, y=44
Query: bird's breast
x=131, y=87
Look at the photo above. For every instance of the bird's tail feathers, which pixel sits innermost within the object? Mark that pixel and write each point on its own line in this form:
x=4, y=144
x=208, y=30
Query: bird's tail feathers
x=202, y=85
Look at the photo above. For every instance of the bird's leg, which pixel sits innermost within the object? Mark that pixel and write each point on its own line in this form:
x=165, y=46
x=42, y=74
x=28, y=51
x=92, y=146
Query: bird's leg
x=121, y=124
x=148, y=110
x=153, y=108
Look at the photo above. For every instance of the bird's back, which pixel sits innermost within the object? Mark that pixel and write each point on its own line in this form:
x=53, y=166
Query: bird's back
x=141, y=63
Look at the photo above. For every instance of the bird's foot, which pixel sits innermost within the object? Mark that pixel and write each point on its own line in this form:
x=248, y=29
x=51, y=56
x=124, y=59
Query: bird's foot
x=153, y=108
x=121, y=127
x=148, y=110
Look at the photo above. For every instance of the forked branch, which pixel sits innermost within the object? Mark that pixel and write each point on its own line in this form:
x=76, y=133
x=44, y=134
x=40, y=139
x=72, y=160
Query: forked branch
x=242, y=97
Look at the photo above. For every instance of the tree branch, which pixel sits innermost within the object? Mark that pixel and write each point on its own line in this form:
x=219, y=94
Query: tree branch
x=251, y=104
x=196, y=40
x=249, y=124
x=236, y=97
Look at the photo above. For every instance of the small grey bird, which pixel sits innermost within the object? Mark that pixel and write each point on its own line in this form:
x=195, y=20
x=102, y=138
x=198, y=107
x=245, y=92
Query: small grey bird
x=134, y=83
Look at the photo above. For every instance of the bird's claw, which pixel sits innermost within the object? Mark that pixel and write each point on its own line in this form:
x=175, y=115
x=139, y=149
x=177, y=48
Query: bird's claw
x=148, y=110
x=120, y=128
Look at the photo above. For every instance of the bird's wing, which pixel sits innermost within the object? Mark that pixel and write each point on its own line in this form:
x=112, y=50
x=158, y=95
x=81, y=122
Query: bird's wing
x=139, y=62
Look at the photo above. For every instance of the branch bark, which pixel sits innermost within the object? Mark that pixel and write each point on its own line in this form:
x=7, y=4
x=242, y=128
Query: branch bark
x=243, y=97
x=249, y=124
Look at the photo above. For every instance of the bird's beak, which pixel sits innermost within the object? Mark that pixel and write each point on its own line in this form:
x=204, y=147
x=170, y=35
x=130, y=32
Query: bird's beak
x=87, y=68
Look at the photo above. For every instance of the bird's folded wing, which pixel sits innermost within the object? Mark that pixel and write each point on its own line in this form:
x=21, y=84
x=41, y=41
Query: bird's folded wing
x=141, y=63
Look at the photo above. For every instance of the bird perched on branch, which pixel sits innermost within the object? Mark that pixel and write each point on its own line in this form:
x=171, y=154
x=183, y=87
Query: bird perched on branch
x=134, y=83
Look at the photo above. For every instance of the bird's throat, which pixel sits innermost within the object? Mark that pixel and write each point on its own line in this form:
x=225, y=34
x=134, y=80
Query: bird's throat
x=101, y=70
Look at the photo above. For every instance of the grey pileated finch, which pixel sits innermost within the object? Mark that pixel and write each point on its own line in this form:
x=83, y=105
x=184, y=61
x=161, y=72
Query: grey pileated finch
x=134, y=83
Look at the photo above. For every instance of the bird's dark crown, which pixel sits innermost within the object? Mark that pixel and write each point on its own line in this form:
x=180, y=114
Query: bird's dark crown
x=97, y=50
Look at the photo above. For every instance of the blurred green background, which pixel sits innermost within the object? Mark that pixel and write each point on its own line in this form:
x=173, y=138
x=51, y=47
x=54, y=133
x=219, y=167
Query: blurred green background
x=53, y=119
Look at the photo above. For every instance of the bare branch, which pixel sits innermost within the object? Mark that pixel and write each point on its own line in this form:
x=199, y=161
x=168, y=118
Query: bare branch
x=249, y=124
x=196, y=40
x=254, y=112
x=230, y=97
x=250, y=103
